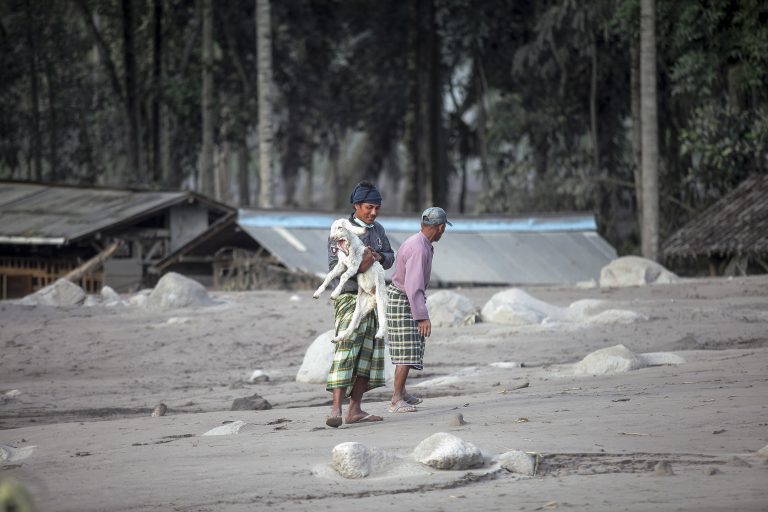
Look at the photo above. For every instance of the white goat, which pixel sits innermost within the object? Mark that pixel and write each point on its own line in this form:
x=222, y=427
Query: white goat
x=371, y=289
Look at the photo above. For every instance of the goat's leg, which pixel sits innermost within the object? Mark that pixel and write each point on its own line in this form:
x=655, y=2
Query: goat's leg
x=381, y=305
x=334, y=273
x=357, y=315
x=346, y=276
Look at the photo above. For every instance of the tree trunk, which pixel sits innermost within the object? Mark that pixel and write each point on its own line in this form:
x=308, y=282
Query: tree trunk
x=53, y=124
x=157, y=70
x=424, y=168
x=411, y=198
x=264, y=59
x=482, y=146
x=437, y=185
x=207, y=183
x=136, y=173
x=634, y=84
x=650, y=130
x=337, y=196
x=243, y=178
x=37, y=140
x=593, y=110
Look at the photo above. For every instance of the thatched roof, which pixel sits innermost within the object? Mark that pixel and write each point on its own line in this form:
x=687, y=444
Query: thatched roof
x=735, y=225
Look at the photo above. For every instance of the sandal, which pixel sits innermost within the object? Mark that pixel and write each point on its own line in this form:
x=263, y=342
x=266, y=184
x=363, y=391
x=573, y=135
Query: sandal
x=413, y=400
x=402, y=406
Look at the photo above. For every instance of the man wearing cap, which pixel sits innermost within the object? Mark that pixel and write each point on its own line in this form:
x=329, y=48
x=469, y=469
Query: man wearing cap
x=407, y=315
x=358, y=363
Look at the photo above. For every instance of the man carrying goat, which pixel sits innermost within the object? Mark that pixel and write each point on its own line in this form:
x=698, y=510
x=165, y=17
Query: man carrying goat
x=358, y=360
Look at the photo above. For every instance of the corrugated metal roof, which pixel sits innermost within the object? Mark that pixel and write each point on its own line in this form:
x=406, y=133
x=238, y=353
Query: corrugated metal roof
x=532, y=250
x=736, y=224
x=46, y=214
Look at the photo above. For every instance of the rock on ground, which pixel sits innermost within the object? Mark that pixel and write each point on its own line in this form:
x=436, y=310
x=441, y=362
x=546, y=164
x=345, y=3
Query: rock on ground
x=446, y=451
x=250, y=403
x=258, y=376
x=661, y=359
x=10, y=453
x=516, y=307
x=516, y=461
x=111, y=297
x=616, y=359
x=319, y=356
x=176, y=291
x=317, y=360
x=763, y=452
x=235, y=427
x=450, y=309
x=635, y=271
x=61, y=293
x=355, y=460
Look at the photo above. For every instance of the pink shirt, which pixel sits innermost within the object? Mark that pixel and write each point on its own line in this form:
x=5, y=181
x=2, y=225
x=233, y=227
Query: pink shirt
x=413, y=266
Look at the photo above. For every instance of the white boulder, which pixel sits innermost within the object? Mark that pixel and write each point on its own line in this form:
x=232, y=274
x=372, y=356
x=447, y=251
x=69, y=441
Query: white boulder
x=10, y=453
x=61, y=293
x=317, y=360
x=506, y=364
x=616, y=359
x=446, y=451
x=258, y=376
x=635, y=271
x=516, y=461
x=516, y=307
x=140, y=298
x=176, y=291
x=319, y=356
x=450, y=309
x=111, y=297
x=235, y=427
x=762, y=452
x=616, y=316
x=355, y=460
x=661, y=359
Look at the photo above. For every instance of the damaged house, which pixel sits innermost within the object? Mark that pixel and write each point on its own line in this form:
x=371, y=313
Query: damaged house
x=100, y=236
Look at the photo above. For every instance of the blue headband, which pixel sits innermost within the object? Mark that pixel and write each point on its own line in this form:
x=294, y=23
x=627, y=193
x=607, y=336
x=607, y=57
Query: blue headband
x=365, y=194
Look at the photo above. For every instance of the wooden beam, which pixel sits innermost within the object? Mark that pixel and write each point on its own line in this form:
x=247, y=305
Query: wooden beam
x=94, y=262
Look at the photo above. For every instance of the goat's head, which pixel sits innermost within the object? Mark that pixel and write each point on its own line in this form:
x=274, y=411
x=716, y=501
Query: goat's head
x=341, y=232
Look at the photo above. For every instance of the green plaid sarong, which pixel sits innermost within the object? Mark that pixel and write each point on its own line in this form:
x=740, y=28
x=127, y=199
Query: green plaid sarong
x=361, y=356
x=406, y=345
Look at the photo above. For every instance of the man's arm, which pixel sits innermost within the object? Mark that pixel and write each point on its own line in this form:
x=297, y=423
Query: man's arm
x=415, y=285
x=386, y=252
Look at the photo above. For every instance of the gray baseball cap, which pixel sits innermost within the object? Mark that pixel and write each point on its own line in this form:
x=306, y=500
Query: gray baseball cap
x=434, y=215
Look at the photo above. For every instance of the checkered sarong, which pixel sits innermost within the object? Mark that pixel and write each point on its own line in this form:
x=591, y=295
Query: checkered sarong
x=361, y=356
x=406, y=345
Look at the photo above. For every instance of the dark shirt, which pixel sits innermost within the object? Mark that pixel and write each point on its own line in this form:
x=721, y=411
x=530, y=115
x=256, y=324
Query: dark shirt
x=376, y=239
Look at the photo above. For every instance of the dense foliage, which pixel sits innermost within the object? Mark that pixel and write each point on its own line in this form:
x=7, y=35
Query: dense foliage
x=530, y=105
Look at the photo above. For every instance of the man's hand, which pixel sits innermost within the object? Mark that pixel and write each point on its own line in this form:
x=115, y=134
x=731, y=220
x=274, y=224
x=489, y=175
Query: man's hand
x=425, y=328
x=369, y=256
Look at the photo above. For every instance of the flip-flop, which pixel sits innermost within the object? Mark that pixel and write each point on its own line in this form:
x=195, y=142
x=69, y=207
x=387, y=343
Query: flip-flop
x=333, y=421
x=413, y=400
x=366, y=419
x=402, y=406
